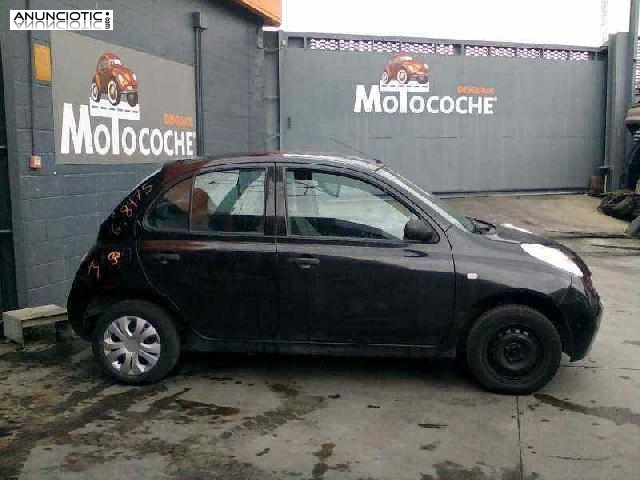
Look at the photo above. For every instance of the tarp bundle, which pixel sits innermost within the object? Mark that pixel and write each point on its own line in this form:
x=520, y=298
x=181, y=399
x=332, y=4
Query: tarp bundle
x=622, y=204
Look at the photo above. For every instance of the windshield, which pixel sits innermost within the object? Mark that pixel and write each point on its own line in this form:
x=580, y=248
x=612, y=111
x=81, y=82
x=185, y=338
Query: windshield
x=437, y=204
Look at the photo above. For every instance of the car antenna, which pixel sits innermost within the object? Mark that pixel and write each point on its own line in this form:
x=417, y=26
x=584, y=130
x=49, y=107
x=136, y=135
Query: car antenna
x=377, y=160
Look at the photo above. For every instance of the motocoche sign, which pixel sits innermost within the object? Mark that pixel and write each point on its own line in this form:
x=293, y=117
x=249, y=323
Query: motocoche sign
x=114, y=104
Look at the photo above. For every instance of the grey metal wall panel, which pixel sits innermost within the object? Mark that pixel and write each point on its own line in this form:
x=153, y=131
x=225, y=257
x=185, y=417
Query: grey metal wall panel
x=547, y=130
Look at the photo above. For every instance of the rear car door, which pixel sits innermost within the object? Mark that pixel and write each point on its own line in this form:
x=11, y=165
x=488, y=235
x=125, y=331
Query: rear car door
x=346, y=273
x=208, y=245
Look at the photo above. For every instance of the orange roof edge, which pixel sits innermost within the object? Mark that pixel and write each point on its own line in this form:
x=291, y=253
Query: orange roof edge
x=269, y=10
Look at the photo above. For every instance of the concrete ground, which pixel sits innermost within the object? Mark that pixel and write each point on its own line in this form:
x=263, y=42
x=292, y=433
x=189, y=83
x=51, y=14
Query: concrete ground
x=317, y=418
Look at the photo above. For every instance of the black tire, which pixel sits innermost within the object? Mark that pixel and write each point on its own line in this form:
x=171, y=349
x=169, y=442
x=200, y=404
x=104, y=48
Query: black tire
x=94, y=92
x=402, y=76
x=132, y=99
x=113, y=93
x=156, y=317
x=500, y=337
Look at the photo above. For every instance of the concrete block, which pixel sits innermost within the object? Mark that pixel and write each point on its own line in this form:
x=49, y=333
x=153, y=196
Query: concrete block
x=15, y=321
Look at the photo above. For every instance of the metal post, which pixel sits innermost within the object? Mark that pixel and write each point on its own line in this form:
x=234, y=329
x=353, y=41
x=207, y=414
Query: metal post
x=199, y=25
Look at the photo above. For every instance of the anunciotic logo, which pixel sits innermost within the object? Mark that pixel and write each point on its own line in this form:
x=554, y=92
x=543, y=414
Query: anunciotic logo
x=61, y=19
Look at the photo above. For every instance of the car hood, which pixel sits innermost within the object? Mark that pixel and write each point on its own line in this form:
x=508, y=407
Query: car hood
x=124, y=71
x=416, y=66
x=513, y=234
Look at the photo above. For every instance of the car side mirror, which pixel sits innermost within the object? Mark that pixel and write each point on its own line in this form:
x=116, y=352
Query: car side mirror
x=419, y=231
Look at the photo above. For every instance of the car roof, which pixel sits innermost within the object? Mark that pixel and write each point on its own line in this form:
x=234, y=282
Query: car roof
x=110, y=56
x=184, y=166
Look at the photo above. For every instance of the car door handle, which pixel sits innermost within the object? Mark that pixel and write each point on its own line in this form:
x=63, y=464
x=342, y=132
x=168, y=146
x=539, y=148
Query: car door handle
x=165, y=258
x=304, y=262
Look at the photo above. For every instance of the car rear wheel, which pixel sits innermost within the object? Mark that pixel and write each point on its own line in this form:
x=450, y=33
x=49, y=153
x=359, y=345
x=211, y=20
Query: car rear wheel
x=95, y=92
x=401, y=76
x=385, y=77
x=513, y=349
x=112, y=92
x=136, y=341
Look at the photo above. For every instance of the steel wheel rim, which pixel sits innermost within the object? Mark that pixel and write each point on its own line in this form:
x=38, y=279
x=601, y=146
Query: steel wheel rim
x=131, y=345
x=514, y=352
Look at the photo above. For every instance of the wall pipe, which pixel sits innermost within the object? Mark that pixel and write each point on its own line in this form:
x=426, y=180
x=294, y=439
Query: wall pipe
x=199, y=26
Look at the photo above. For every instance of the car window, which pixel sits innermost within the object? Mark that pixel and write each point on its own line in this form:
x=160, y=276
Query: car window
x=440, y=207
x=171, y=210
x=230, y=201
x=330, y=205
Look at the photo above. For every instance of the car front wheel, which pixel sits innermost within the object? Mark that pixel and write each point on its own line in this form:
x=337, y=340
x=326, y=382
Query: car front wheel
x=513, y=349
x=132, y=99
x=136, y=342
x=402, y=76
x=113, y=93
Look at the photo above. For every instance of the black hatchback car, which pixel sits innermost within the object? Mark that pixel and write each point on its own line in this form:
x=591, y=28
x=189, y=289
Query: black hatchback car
x=297, y=253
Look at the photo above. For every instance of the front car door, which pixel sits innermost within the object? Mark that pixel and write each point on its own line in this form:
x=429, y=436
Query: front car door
x=208, y=245
x=346, y=273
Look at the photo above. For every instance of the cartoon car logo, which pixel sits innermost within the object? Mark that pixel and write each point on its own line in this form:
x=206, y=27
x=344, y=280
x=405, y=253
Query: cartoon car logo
x=403, y=68
x=114, y=79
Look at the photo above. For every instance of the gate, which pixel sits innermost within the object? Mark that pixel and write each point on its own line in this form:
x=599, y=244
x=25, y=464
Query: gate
x=451, y=116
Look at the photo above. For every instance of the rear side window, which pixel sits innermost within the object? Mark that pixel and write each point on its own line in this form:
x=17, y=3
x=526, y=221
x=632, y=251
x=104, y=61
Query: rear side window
x=171, y=210
x=230, y=201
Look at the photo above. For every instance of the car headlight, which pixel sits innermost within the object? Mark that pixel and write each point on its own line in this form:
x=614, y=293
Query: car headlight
x=552, y=256
x=120, y=78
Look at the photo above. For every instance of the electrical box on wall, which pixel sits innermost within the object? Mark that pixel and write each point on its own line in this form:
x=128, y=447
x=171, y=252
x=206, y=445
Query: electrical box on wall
x=42, y=62
x=35, y=162
x=200, y=21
